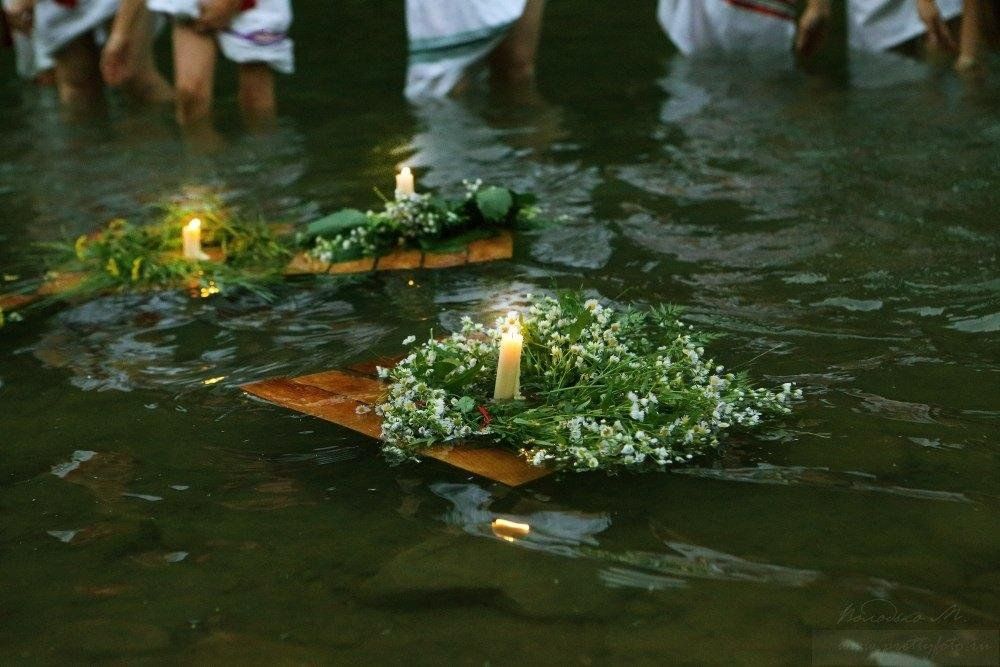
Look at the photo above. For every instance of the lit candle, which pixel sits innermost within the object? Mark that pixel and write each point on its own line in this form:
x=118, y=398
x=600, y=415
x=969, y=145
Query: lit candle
x=192, y=240
x=404, y=182
x=509, y=366
x=509, y=530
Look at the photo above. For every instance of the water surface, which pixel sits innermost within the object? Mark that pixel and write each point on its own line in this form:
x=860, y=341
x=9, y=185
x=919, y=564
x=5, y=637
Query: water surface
x=840, y=229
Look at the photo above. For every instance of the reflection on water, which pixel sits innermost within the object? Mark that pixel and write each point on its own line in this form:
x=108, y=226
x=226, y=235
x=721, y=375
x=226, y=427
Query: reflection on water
x=554, y=532
x=843, y=236
x=765, y=473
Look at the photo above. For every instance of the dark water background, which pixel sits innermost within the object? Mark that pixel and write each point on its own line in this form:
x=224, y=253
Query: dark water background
x=840, y=228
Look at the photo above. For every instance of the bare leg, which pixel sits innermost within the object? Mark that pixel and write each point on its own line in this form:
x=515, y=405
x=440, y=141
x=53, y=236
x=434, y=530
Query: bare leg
x=195, y=54
x=256, y=93
x=78, y=74
x=147, y=85
x=971, y=41
x=513, y=60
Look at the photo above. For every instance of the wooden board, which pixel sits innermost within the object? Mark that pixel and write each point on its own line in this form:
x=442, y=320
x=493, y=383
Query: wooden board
x=11, y=302
x=336, y=395
x=491, y=249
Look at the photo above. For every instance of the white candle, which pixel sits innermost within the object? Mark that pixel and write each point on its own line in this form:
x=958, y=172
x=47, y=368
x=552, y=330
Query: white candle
x=192, y=240
x=509, y=365
x=404, y=182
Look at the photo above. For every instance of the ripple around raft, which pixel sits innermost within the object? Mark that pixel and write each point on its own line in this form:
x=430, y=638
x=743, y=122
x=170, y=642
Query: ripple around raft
x=787, y=245
x=765, y=473
x=985, y=324
x=168, y=341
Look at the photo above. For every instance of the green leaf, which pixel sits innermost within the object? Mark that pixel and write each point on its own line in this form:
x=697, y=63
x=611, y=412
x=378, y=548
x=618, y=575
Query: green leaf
x=494, y=203
x=336, y=223
x=466, y=404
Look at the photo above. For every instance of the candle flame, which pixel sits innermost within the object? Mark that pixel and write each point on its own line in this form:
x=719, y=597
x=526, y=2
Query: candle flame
x=511, y=327
x=405, y=171
x=509, y=530
x=194, y=224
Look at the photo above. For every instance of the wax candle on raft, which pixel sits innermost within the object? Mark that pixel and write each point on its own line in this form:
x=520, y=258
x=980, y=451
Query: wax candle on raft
x=404, y=182
x=508, y=381
x=191, y=235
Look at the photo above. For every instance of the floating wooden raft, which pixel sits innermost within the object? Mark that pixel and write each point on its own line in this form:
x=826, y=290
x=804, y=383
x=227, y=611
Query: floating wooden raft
x=336, y=395
x=489, y=249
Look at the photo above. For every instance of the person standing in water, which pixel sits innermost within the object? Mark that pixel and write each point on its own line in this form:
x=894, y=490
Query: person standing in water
x=450, y=39
x=31, y=64
x=767, y=26
x=251, y=33
x=884, y=25
x=977, y=15
x=772, y=25
x=71, y=33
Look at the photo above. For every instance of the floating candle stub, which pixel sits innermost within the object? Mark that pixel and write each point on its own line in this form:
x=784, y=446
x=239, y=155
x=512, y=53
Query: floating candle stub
x=509, y=364
x=509, y=530
x=192, y=240
x=404, y=182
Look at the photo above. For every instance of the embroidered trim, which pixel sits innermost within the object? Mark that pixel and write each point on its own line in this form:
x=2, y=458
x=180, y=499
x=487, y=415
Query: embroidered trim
x=782, y=9
x=461, y=40
x=260, y=37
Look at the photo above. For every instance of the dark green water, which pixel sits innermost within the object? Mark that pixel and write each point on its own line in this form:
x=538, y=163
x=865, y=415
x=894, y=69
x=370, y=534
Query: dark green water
x=843, y=233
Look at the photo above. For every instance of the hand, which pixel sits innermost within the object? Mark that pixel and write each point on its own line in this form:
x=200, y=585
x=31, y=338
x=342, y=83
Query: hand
x=118, y=59
x=812, y=29
x=938, y=33
x=217, y=14
x=20, y=15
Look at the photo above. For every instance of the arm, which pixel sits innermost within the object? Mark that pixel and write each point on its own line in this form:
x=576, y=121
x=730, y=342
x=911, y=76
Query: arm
x=217, y=14
x=118, y=57
x=20, y=14
x=812, y=28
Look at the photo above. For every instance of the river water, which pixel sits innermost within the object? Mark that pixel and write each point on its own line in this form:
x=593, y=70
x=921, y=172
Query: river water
x=840, y=229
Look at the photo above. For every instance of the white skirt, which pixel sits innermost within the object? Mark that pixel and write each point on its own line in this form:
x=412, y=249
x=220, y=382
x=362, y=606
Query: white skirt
x=257, y=35
x=30, y=60
x=879, y=25
x=447, y=37
x=701, y=26
x=57, y=25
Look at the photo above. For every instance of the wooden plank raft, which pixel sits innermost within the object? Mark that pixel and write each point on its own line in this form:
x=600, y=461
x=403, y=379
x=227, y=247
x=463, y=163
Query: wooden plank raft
x=490, y=249
x=336, y=395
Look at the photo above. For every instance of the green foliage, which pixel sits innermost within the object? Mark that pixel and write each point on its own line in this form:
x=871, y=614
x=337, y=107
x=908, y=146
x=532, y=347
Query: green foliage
x=125, y=256
x=494, y=203
x=421, y=221
x=599, y=389
x=336, y=223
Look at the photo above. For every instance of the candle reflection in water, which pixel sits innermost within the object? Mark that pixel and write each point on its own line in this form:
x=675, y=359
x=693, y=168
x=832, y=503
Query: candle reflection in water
x=509, y=530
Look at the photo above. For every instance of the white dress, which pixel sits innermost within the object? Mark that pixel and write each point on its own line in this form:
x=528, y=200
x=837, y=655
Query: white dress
x=702, y=26
x=58, y=24
x=256, y=35
x=448, y=37
x=879, y=25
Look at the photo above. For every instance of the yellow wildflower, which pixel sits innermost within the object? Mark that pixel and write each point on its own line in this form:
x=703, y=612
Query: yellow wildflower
x=136, y=269
x=80, y=247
